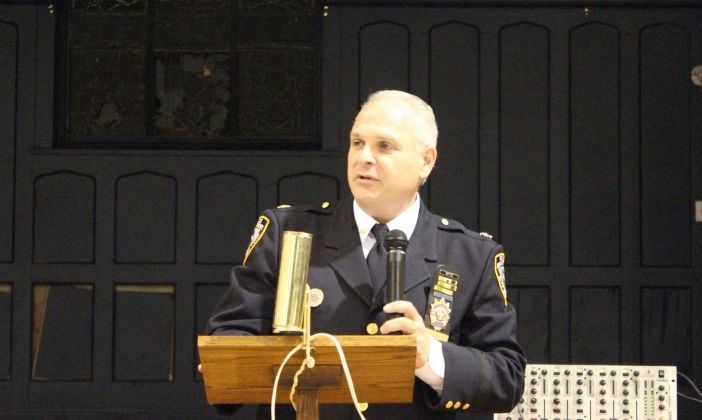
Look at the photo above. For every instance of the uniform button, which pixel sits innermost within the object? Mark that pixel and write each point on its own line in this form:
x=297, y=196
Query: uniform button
x=457, y=405
x=444, y=221
x=372, y=328
x=466, y=406
x=325, y=204
x=449, y=404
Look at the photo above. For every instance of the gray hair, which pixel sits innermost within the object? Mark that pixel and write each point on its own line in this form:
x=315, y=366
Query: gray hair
x=426, y=131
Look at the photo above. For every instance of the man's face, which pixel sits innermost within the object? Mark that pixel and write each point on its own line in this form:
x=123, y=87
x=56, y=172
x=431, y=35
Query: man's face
x=385, y=164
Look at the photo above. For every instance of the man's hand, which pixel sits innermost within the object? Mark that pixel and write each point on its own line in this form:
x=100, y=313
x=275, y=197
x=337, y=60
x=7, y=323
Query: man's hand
x=410, y=323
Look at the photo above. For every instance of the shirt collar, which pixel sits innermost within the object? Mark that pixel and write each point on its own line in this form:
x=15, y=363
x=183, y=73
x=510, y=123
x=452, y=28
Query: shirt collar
x=405, y=221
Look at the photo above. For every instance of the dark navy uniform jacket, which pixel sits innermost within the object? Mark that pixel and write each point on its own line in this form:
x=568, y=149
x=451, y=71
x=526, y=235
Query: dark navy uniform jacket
x=484, y=362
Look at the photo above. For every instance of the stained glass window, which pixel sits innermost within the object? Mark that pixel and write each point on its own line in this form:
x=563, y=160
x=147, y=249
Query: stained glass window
x=140, y=73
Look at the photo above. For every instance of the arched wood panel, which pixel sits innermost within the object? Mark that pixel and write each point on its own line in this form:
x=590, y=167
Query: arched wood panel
x=226, y=210
x=454, y=62
x=665, y=115
x=145, y=218
x=306, y=188
x=64, y=218
x=524, y=143
x=8, y=91
x=384, y=58
x=594, y=146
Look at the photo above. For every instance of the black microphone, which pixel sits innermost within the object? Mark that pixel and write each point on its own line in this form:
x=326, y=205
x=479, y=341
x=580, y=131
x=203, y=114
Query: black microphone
x=396, y=245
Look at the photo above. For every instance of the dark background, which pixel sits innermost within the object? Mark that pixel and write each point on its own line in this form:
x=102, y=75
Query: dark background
x=572, y=133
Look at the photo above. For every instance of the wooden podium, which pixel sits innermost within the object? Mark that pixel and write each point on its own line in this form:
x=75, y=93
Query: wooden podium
x=242, y=369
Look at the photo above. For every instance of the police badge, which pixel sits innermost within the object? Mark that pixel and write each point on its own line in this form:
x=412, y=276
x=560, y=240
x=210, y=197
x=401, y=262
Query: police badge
x=438, y=313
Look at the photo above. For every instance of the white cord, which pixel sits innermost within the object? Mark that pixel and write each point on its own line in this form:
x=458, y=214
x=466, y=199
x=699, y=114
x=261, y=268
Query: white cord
x=691, y=383
x=344, y=366
x=693, y=387
x=277, y=377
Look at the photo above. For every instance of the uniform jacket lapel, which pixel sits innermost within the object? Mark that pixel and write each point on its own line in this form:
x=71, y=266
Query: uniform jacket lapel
x=348, y=260
x=421, y=251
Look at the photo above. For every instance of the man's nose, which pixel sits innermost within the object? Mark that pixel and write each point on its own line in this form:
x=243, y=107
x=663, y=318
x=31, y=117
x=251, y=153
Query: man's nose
x=367, y=155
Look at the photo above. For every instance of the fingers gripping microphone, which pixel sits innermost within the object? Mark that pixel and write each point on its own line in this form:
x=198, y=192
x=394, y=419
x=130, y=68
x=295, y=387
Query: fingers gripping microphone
x=396, y=245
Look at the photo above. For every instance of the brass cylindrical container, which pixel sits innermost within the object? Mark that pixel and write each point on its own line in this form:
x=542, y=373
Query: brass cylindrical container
x=292, y=279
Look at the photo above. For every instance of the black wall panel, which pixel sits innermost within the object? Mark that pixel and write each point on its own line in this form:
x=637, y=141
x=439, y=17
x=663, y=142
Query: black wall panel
x=307, y=188
x=384, y=58
x=8, y=92
x=144, y=332
x=595, y=325
x=5, y=331
x=524, y=142
x=666, y=327
x=226, y=210
x=454, y=63
x=665, y=146
x=64, y=218
x=594, y=146
x=533, y=305
x=145, y=222
x=62, y=322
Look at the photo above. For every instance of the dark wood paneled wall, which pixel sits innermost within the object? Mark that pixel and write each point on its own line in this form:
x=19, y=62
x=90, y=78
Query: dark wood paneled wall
x=574, y=136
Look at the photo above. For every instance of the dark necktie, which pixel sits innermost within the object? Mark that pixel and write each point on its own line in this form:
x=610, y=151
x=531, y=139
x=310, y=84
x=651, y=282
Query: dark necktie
x=377, y=259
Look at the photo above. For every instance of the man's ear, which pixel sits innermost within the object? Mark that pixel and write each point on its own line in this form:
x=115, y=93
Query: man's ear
x=428, y=161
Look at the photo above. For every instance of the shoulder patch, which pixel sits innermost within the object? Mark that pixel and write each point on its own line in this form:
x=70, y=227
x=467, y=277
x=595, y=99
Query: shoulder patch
x=499, y=267
x=486, y=235
x=258, y=232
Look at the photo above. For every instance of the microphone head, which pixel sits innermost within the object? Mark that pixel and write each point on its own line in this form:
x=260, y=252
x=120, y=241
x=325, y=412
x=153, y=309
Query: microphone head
x=396, y=239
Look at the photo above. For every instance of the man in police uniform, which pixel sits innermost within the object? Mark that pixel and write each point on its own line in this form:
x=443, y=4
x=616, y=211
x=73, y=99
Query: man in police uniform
x=468, y=359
